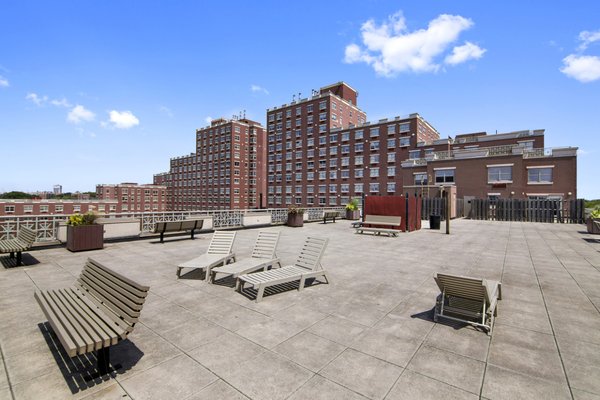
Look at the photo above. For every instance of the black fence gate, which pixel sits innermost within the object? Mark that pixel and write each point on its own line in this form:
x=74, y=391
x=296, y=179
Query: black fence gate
x=529, y=210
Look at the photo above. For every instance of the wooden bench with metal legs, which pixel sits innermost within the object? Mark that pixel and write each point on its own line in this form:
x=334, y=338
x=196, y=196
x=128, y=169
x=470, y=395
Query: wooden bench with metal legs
x=97, y=313
x=23, y=242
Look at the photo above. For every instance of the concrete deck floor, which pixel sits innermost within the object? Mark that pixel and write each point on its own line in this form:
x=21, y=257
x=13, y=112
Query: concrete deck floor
x=369, y=334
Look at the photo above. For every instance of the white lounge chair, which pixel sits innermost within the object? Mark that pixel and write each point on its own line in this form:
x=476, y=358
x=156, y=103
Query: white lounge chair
x=263, y=257
x=308, y=265
x=219, y=253
x=467, y=300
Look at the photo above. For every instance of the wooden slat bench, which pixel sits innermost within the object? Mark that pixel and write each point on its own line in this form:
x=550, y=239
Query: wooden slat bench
x=381, y=220
x=23, y=242
x=97, y=313
x=330, y=215
x=178, y=226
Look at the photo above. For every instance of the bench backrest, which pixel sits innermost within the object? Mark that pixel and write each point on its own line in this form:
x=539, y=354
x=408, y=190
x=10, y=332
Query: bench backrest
x=26, y=236
x=266, y=244
x=462, y=286
x=311, y=253
x=189, y=224
x=173, y=226
x=159, y=227
x=112, y=292
x=221, y=243
x=386, y=219
x=330, y=214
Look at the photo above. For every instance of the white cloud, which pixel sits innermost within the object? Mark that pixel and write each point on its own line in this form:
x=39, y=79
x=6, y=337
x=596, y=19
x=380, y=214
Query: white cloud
x=37, y=100
x=587, y=38
x=123, y=119
x=80, y=114
x=460, y=54
x=4, y=82
x=256, y=89
x=583, y=68
x=390, y=48
x=60, y=103
x=208, y=120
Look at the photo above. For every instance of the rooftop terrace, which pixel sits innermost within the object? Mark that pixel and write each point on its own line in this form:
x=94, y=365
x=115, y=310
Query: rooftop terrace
x=368, y=334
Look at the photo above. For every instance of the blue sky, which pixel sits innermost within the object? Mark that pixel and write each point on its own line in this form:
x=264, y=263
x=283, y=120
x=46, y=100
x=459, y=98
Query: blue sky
x=107, y=92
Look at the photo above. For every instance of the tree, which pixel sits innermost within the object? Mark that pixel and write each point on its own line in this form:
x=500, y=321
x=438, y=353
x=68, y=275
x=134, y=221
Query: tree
x=15, y=195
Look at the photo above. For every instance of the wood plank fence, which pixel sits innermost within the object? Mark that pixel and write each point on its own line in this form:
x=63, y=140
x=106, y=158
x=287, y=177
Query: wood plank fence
x=529, y=210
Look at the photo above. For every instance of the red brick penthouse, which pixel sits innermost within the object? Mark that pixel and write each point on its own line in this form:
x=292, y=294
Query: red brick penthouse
x=507, y=165
x=131, y=197
x=10, y=207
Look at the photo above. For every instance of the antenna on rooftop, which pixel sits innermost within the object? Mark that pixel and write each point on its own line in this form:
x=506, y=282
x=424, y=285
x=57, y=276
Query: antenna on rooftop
x=299, y=95
x=244, y=114
x=294, y=98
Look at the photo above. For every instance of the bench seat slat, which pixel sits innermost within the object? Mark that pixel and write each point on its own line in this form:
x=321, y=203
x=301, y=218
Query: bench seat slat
x=64, y=321
x=95, y=341
x=105, y=334
x=54, y=321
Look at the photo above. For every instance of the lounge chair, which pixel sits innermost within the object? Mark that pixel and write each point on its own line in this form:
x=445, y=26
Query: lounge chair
x=468, y=300
x=263, y=257
x=219, y=253
x=307, y=266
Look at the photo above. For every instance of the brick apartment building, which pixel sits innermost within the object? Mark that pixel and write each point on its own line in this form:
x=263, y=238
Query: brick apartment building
x=322, y=152
x=227, y=171
x=55, y=207
x=131, y=197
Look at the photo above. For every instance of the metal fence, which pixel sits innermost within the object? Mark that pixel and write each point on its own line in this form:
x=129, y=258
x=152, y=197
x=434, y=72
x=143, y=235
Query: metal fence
x=529, y=210
x=46, y=226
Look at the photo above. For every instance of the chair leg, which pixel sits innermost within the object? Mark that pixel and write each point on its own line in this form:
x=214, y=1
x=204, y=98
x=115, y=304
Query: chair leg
x=261, y=292
x=239, y=285
x=178, y=272
x=302, y=282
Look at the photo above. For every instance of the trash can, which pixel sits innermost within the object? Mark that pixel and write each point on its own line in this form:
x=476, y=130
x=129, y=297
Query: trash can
x=434, y=221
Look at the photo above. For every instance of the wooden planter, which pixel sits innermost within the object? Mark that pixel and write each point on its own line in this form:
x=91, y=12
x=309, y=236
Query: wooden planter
x=85, y=237
x=295, y=220
x=353, y=214
x=593, y=227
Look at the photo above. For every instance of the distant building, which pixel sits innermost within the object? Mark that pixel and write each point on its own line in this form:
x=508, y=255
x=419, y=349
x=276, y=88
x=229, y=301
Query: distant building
x=227, y=171
x=57, y=189
x=131, y=197
x=55, y=207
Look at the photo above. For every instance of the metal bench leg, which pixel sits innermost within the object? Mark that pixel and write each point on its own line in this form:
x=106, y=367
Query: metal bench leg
x=19, y=258
x=162, y=237
x=192, y=234
x=12, y=254
x=103, y=364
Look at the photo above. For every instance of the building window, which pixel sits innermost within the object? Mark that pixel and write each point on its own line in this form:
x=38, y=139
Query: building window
x=500, y=174
x=391, y=129
x=345, y=174
x=374, y=159
x=44, y=209
x=358, y=173
x=358, y=135
x=345, y=187
x=421, y=178
x=391, y=143
x=322, y=105
x=374, y=145
x=358, y=188
x=444, y=176
x=391, y=171
x=414, y=154
x=374, y=172
x=374, y=132
x=539, y=175
x=358, y=160
x=374, y=187
x=391, y=187
x=391, y=157
x=405, y=127
x=28, y=208
x=58, y=208
x=404, y=141
x=358, y=147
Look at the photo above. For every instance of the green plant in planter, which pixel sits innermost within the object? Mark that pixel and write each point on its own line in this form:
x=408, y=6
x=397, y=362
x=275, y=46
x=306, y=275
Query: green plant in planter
x=78, y=219
x=595, y=213
x=295, y=210
x=352, y=205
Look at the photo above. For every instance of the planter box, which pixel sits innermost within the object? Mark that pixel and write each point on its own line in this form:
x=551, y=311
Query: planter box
x=295, y=220
x=353, y=215
x=85, y=237
x=593, y=226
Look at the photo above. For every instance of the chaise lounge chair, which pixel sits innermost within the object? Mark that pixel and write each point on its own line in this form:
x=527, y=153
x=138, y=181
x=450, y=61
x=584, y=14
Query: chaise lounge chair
x=307, y=266
x=219, y=253
x=468, y=300
x=263, y=257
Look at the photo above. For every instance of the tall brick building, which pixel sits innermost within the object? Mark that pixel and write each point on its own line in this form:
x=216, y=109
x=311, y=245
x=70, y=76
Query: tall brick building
x=227, y=171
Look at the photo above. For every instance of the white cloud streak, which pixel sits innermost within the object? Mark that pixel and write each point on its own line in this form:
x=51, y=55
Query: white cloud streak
x=80, y=114
x=35, y=99
x=587, y=38
x=258, y=89
x=460, y=54
x=4, y=82
x=391, y=49
x=123, y=119
x=166, y=110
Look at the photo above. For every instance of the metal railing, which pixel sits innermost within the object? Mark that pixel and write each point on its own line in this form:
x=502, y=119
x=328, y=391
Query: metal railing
x=46, y=226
